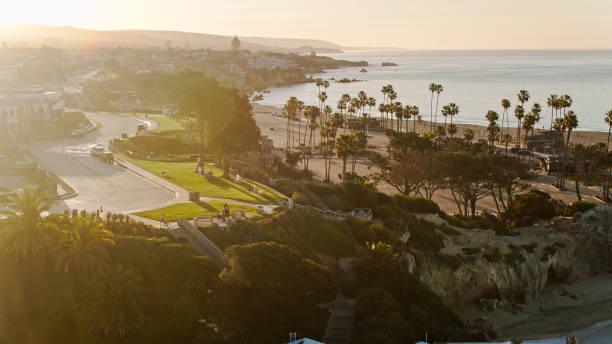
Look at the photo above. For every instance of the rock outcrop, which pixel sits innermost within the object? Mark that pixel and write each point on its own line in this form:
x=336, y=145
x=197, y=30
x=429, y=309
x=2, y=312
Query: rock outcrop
x=494, y=271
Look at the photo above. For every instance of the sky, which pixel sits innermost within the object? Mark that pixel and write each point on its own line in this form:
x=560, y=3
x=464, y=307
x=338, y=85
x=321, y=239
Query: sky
x=409, y=24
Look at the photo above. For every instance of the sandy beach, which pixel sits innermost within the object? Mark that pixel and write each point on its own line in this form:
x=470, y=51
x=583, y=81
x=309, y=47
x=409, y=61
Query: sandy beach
x=583, y=308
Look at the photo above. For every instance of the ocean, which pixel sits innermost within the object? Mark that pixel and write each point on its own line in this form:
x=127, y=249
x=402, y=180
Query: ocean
x=475, y=80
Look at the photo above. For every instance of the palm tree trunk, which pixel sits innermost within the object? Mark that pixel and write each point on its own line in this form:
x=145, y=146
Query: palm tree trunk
x=431, y=112
x=608, y=144
x=436, y=114
x=518, y=134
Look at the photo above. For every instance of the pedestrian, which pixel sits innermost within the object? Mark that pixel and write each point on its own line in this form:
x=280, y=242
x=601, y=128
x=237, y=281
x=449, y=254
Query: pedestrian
x=162, y=221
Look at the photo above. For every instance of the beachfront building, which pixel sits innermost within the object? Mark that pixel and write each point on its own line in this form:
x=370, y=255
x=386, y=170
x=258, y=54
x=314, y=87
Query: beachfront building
x=545, y=141
x=28, y=113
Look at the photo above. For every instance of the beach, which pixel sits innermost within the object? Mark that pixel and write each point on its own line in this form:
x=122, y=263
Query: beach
x=275, y=128
x=583, y=308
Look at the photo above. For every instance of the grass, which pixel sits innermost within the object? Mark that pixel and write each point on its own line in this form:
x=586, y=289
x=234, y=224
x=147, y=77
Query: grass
x=166, y=124
x=182, y=174
x=192, y=209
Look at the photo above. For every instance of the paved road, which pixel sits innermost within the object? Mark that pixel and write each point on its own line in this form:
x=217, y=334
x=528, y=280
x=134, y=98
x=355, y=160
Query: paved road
x=99, y=184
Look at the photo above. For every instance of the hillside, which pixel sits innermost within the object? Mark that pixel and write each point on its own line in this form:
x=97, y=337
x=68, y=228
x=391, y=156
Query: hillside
x=72, y=37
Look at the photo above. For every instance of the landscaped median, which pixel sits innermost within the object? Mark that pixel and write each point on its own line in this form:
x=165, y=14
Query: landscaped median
x=183, y=175
x=190, y=210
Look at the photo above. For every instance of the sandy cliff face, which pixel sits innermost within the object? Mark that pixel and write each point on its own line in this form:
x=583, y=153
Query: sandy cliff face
x=479, y=266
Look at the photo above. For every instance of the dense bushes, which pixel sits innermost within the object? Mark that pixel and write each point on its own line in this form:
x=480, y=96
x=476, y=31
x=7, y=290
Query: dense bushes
x=393, y=306
x=578, y=207
x=274, y=290
x=530, y=207
x=416, y=204
x=306, y=232
x=161, y=145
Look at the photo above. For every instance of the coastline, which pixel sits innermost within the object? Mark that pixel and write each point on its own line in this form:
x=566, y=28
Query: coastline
x=583, y=308
x=585, y=137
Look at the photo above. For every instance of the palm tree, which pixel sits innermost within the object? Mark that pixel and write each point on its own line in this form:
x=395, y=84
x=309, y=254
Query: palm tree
x=468, y=135
x=519, y=113
x=536, y=110
x=439, y=90
x=25, y=233
x=446, y=111
x=506, y=139
x=83, y=248
x=378, y=262
x=398, y=109
x=566, y=102
x=523, y=97
x=609, y=121
x=432, y=88
x=112, y=305
x=344, y=149
x=551, y=102
x=407, y=114
x=454, y=111
x=414, y=112
x=505, y=103
x=570, y=120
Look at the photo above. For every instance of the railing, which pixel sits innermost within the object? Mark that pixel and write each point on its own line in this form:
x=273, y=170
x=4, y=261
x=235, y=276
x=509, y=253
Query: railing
x=358, y=213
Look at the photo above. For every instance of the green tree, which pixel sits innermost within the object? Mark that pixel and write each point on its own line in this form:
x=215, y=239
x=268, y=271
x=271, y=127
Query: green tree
x=608, y=121
x=570, y=121
x=467, y=176
x=519, y=113
x=551, y=102
x=112, y=303
x=468, y=135
x=236, y=44
x=273, y=281
x=83, y=247
x=505, y=103
x=25, y=233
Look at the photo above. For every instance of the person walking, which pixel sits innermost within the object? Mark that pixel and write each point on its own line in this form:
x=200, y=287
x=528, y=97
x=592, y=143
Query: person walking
x=162, y=222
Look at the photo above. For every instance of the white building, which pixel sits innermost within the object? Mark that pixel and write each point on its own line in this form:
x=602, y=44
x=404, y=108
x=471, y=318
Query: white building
x=28, y=113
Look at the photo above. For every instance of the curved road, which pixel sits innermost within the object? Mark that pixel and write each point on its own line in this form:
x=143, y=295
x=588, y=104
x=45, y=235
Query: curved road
x=97, y=183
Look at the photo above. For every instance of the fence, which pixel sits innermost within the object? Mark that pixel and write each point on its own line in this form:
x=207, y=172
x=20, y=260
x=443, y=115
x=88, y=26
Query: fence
x=358, y=213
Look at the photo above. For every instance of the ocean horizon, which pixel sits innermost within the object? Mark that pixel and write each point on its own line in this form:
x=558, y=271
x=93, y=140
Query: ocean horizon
x=476, y=80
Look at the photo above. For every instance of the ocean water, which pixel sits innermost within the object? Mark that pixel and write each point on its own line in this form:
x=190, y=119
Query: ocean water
x=476, y=81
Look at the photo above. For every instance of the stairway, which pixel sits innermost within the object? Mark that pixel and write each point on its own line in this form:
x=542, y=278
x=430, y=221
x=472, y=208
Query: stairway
x=340, y=323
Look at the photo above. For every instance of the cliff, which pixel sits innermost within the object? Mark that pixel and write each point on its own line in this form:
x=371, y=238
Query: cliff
x=495, y=271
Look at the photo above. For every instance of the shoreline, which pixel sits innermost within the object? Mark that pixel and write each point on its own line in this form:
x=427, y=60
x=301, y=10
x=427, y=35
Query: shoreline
x=583, y=308
x=585, y=137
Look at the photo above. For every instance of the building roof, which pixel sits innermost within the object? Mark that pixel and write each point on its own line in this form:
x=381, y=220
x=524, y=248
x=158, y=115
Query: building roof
x=305, y=341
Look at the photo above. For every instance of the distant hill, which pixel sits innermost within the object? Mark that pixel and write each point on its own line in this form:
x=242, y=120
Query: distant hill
x=72, y=37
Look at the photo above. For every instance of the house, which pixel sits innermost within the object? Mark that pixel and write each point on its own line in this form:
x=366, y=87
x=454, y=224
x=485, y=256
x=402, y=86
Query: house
x=544, y=141
x=28, y=112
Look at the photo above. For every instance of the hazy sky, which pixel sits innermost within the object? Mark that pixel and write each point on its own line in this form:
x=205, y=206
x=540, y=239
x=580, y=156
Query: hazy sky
x=412, y=24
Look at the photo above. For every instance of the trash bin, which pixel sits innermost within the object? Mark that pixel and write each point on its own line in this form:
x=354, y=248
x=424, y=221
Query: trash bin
x=194, y=196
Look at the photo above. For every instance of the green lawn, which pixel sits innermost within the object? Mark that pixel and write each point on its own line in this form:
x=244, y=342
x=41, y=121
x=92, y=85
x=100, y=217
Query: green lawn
x=192, y=209
x=182, y=174
x=166, y=124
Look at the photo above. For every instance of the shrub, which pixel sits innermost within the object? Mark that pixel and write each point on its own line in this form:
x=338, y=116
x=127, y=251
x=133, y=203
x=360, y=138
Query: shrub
x=416, y=204
x=578, y=207
x=530, y=207
x=160, y=144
